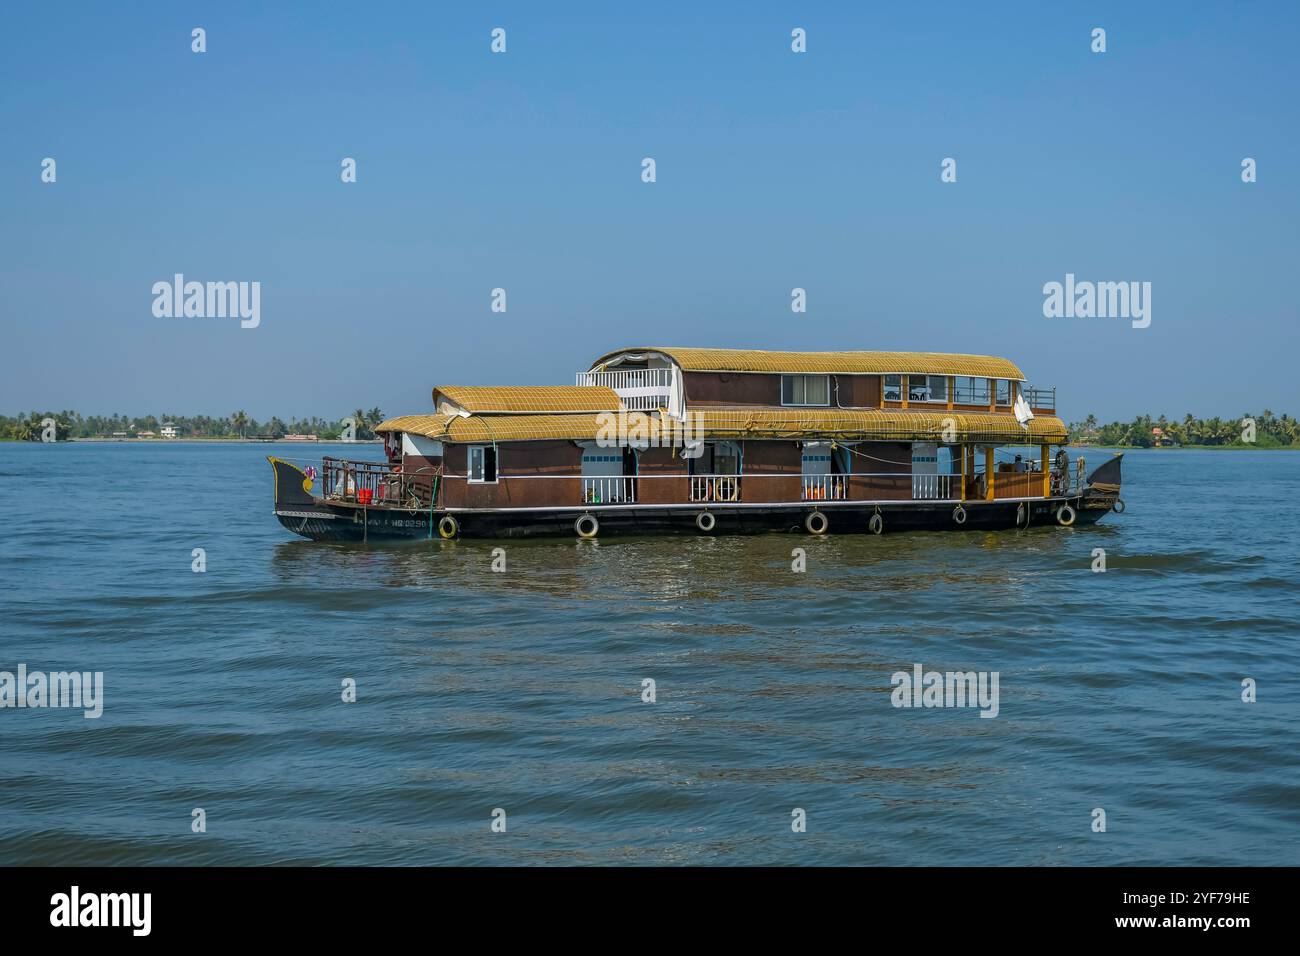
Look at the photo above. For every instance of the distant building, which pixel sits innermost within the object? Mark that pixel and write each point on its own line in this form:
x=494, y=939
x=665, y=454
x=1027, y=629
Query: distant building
x=145, y=435
x=300, y=438
x=168, y=430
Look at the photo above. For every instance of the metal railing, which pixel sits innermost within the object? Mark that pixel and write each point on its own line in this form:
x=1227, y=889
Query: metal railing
x=715, y=487
x=365, y=482
x=825, y=487
x=933, y=487
x=1044, y=398
x=608, y=491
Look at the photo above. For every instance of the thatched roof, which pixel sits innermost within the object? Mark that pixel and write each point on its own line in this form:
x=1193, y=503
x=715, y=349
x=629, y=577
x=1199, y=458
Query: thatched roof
x=868, y=363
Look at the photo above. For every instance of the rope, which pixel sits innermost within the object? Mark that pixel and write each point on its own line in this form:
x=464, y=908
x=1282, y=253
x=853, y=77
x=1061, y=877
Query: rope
x=432, y=498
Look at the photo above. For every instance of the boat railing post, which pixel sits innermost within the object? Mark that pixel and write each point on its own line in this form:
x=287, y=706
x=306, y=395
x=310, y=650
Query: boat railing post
x=1047, y=474
x=988, y=472
x=963, y=472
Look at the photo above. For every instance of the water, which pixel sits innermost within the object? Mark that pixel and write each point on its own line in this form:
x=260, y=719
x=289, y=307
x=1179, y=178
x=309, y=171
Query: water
x=521, y=690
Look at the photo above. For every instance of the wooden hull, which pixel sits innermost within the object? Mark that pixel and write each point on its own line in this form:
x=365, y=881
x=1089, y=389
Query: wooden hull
x=335, y=522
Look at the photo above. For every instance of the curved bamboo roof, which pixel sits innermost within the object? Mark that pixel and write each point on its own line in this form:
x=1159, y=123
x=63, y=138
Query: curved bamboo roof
x=787, y=423
x=515, y=399
x=864, y=363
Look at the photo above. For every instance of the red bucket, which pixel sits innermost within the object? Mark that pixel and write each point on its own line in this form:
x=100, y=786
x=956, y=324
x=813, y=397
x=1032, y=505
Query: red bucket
x=363, y=495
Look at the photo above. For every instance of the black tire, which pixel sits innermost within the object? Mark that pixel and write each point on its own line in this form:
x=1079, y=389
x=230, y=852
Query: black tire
x=705, y=521
x=877, y=524
x=586, y=526
x=1061, y=516
x=959, y=515
x=448, y=528
x=816, y=523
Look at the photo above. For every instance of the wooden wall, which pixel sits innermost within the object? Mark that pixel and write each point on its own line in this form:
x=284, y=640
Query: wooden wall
x=779, y=458
x=749, y=389
x=888, y=459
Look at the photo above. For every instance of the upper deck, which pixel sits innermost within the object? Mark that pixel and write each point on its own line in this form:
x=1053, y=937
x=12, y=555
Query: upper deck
x=680, y=380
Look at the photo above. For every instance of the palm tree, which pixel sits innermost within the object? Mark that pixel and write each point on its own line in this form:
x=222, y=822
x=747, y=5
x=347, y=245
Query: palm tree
x=359, y=417
x=240, y=420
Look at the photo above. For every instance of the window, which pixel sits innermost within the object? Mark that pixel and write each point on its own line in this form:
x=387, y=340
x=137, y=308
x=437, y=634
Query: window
x=805, y=390
x=927, y=388
x=1004, y=391
x=893, y=388
x=483, y=464
x=971, y=391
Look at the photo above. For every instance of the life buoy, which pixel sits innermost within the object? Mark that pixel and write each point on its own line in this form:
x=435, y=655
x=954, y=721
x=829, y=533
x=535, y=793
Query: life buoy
x=959, y=515
x=816, y=523
x=705, y=521
x=448, y=527
x=876, y=524
x=726, y=489
x=1065, y=516
x=586, y=526
x=1119, y=506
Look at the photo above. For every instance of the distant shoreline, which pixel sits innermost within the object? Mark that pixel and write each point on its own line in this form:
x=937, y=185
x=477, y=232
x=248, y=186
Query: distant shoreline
x=378, y=441
x=1128, y=448
x=221, y=441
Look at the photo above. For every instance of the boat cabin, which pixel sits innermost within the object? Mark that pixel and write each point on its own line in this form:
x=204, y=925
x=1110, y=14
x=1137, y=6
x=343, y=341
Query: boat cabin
x=646, y=427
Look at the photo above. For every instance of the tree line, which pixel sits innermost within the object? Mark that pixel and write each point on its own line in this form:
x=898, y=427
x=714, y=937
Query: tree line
x=239, y=424
x=1269, y=430
x=1264, y=430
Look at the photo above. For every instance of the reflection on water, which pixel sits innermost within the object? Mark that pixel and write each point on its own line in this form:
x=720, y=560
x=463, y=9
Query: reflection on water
x=522, y=689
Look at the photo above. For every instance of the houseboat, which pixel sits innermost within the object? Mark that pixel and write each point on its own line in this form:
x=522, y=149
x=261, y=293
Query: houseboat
x=715, y=441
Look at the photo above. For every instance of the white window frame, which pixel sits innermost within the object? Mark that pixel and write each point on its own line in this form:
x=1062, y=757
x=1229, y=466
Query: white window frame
x=884, y=385
x=801, y=379
x=469, y=465
x=998, y=384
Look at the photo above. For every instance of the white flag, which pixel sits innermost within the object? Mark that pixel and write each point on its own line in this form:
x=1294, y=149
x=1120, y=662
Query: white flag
x=1024, y=414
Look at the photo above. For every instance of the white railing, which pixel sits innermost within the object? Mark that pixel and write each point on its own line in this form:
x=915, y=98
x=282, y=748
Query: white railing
x=715, y=487
x=608, y=491
x=932, y=487
x=623, y=489
x=825, y=487
x=641, y=389
x=629, y=378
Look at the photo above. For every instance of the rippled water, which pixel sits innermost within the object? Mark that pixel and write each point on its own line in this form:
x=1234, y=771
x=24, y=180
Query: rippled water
x=521, y=690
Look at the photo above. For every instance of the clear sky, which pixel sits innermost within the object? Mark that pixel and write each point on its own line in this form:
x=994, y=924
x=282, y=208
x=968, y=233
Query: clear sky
x=522, y=170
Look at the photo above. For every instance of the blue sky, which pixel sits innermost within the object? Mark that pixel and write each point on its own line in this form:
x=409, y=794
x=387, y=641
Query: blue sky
x=522, y=171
